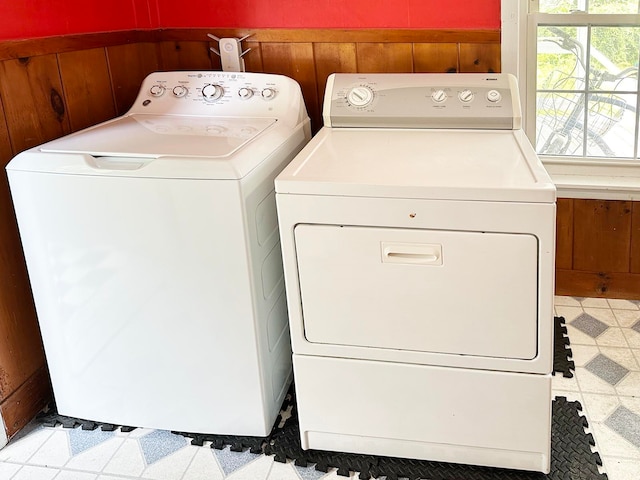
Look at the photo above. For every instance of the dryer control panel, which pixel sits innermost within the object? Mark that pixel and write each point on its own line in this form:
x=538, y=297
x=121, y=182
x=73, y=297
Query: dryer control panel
x=219, y=94
x=417, y=100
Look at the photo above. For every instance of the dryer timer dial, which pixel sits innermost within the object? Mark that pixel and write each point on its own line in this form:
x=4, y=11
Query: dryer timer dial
x=360, y=96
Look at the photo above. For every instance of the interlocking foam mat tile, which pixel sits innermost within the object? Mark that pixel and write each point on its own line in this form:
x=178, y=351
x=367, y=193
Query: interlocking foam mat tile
x=562, y=362
x=571, y=455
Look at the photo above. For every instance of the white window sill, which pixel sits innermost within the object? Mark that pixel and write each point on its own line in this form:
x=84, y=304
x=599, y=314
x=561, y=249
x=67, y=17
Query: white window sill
x=598, y=181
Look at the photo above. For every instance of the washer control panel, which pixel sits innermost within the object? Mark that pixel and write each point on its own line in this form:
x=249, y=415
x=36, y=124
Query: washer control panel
x=483, y=101
x=216, y=93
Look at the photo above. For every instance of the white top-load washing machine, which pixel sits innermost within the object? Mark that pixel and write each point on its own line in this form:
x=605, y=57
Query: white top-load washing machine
x=418, y=241
x=153, y=252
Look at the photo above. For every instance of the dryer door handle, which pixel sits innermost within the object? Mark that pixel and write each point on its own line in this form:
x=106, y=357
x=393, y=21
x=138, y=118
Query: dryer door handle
x=411, y=253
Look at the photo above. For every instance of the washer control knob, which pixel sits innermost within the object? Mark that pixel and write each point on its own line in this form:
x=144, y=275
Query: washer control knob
x=212, y=92
x=156, y=90
x=180, y=91
x=494, y=96
x=268, y=93
x=360, y=96
x=245, y=93
x=439, y=96
x=466, y=96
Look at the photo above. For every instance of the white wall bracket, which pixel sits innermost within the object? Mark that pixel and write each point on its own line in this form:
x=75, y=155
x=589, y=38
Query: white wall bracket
x=230, y=52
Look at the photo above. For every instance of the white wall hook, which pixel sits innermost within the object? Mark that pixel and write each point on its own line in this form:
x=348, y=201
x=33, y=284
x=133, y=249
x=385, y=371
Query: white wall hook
x=230, y=52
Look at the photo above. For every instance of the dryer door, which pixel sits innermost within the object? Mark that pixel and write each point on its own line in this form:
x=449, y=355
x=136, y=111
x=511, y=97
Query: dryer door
x=464, y=293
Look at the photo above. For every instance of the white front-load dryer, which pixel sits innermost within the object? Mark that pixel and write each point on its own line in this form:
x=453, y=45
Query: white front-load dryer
x=418, y=236
x=153, y=252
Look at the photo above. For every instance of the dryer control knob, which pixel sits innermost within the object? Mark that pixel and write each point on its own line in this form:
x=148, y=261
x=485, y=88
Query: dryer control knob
x=268, y=94
x=212, y=92
x=360, y=96
x=156, y=90
x=439, y=96
x=466, y=96
x=179, y=91
x=494, y=96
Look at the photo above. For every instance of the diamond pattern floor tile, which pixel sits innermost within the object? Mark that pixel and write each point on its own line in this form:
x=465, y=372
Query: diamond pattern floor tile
x=626, y=424
x=159, y=444
x=232, y=461
x=309, y=473
x=606, y=369
x=589, y=325
x=81, y=440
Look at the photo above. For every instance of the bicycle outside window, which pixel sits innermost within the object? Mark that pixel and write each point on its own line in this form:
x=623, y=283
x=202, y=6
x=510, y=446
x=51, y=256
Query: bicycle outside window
x=587, y=96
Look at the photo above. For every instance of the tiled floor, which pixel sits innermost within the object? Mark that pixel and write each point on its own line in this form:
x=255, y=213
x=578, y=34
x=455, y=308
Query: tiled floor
x=605, y=339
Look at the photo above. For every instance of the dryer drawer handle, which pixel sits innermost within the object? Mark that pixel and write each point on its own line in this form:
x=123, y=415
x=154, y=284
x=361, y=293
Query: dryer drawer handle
x=413, y=256
x=411, y=253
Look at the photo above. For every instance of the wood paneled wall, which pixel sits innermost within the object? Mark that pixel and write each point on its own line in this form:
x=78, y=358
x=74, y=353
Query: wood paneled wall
x=598, y=248
x=54, y=86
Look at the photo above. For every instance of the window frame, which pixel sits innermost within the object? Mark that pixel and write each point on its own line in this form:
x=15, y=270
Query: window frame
x=575, y=177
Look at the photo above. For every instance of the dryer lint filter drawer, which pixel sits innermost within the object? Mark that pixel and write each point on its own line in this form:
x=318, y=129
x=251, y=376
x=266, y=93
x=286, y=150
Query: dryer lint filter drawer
x=466, y=293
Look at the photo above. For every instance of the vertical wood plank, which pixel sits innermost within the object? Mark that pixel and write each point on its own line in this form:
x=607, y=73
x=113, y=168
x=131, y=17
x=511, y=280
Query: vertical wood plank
x=87, y=87
x=21, y=351
x=26, y=402
x=253, y=58
x=435, y=57
x=635, y=238
x=32, y=95
x=27, y=84
x=296, y=61
x=5, y=144
x=385, y=57
x=333, y=58
x=602, y=235
x=185, y=56
x=129, y=65
x=564, y=233
x=480, y=58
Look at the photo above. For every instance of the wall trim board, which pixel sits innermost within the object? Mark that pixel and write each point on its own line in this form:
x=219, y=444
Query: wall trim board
x=335, y=35
x=13, y=49
x=577, y=283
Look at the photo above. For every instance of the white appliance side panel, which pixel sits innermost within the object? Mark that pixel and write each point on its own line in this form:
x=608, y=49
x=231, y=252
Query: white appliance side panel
x=433, y=413
x=464, y=293
x=144, y=299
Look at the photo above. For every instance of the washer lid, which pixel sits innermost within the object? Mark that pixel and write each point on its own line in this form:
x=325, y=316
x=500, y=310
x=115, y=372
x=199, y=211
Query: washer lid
x=156, y=136
x=487, y=165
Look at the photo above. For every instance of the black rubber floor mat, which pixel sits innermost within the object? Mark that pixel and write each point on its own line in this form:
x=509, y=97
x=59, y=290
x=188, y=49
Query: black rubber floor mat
x=571, y=455
x=562, y=354
x=52, y=418
x=240, y=443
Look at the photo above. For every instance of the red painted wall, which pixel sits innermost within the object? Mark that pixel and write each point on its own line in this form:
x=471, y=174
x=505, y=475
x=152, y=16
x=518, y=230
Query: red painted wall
x=40, y=18
x=478, y=14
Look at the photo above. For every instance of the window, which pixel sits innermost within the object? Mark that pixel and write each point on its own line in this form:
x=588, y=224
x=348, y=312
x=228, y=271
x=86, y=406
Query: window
x=585, y=102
